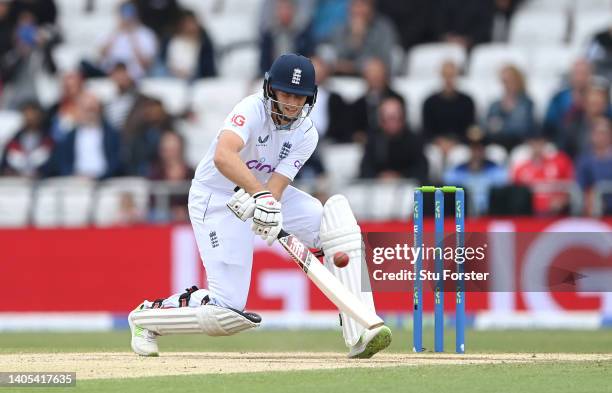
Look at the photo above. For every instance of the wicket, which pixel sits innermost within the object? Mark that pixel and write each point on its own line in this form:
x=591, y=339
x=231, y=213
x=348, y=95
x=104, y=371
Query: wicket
x=439, y=266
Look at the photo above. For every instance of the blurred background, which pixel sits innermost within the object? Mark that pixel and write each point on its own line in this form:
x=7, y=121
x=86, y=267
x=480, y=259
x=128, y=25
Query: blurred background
x=107, y=106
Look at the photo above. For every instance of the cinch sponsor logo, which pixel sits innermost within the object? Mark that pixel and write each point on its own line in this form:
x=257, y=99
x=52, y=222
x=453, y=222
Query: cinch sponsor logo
x=260, y=166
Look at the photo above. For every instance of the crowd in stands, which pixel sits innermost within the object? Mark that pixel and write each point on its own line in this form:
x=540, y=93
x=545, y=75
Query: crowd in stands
x=135, y=135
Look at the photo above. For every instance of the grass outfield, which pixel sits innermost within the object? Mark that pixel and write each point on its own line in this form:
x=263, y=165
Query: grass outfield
x=553, y=377
x=521, y=341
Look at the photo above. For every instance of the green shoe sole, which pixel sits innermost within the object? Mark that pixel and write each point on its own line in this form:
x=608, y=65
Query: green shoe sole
x=377, y=344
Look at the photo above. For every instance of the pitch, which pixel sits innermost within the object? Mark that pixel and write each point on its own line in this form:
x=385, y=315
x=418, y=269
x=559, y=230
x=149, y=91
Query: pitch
x=271, y=361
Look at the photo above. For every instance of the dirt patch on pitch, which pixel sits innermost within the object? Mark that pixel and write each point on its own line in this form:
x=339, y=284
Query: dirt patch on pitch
x=128, y=365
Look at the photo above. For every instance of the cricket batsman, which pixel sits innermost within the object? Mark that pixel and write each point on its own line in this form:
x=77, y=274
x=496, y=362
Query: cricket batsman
x=260, y=148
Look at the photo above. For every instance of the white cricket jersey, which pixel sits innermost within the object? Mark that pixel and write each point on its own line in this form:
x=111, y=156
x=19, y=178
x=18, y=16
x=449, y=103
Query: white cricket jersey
x=266, y=149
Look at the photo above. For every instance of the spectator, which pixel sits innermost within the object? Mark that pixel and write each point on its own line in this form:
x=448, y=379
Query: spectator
x=286, y=34
x=327, y=16
x=394, y=151
x=304, y=10
x=161, y=16
x=545, y=166
x=131, y=43
x=448, y=113
x=29, y=151
x=478, y=174
x=365, y=109
x=595, y=166
x=511, y=119
x=29, y=55
x=6, y=28
x=568, y=102
x=599, y=53
x=127, y=101
x=142, y=135
x=502, y=14
x=365, y=35
x=466, y=22
x=44, y=11
x=63, y=115
x=92, y=148
x=573, y=136
x=171, y=166
x=411, y=18
x=330, y=115
x=190, y=53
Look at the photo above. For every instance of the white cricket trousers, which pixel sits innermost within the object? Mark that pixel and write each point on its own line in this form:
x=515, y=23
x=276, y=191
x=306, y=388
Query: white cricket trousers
x=226, y=243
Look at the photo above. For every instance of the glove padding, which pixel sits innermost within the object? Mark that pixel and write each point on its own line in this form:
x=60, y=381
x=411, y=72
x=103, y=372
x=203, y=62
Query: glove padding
x=242, y=204
x=267, y=217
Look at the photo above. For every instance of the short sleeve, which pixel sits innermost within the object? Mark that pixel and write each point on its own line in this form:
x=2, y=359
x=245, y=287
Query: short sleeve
x=291, y=165
x=243, y=119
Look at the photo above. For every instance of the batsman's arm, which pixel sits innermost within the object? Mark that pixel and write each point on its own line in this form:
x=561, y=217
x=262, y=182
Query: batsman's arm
x=228, y=162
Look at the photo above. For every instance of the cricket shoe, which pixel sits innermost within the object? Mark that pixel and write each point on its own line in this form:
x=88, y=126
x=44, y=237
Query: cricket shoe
x=144, y=342
x=371, y=342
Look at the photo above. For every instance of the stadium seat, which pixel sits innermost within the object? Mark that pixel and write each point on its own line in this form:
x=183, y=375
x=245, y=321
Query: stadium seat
x=242, y=62
x=10, y=122
x=217, y=96
x=435, y=160
x=592, y=6
x=538, y=28
x=457, y=155
x=546, y=5
x=15, y=201
x=392, y=199
x=63, y=202
x=70, y=9
x=48, y=89
x=106, y=8
x=496, y=153
x=487, y=59
x=198, y=138
x=416, y=91
x=551, y=60
x=348, y=87
x=483, y=90
x=425, y=60
x=172, y=92
x=227, y=30
x=107, y=210
x=68, y=57
x=103, y=88
x=342, y=162
x=87, y=31
x=587, y=24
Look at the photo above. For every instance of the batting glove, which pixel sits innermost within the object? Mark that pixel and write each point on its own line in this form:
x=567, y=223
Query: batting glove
x=242, y=204
x=267, y=217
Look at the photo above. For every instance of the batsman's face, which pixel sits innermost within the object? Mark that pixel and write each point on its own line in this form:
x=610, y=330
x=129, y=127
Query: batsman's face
x=290, y=104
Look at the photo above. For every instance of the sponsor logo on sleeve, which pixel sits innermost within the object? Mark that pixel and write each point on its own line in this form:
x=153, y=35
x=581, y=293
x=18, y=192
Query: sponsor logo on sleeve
x=238, y=120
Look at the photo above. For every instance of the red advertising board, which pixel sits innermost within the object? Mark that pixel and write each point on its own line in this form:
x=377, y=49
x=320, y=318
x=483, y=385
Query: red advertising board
x=114, y=269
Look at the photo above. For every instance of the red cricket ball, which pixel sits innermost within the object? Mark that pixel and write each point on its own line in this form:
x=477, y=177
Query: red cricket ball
x=341, y=259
